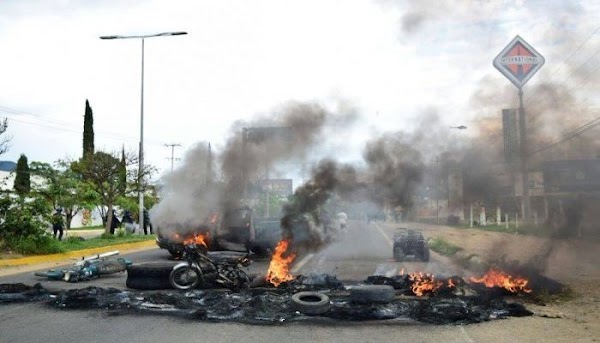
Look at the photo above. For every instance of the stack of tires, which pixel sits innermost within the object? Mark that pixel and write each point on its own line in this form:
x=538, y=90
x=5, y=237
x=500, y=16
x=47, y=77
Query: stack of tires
x=149, y=276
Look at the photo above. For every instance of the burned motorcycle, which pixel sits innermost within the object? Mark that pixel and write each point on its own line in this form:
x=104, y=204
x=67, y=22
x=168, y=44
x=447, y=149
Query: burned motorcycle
x=206, y=268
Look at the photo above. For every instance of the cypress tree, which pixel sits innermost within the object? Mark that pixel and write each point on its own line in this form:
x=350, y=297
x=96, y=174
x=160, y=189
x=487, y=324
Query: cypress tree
x=22, y=184
x=88, y=130
x=123, y=173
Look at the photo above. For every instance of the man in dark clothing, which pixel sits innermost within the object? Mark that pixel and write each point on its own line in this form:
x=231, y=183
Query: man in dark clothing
x=147, y=222
x=127, y=222
x=58, y=224
x=115, y=223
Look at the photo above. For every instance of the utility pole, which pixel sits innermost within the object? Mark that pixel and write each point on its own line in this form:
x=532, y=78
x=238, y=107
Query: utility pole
x=172, y=146
x=437, y=190
x=524, y=159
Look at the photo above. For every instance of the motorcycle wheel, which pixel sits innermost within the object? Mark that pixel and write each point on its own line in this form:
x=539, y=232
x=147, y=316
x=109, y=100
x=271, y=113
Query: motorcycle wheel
x=185, y=277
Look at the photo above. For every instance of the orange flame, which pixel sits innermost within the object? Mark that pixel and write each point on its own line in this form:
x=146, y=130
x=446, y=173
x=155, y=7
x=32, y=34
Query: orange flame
x=279, y=267
x=498, y=278
x=201, y=239
x=424, y=283
x=402, y=271
x=451, y=283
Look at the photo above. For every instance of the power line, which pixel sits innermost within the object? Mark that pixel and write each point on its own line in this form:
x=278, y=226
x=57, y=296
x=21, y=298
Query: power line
x=569, y=135
x=17, y=116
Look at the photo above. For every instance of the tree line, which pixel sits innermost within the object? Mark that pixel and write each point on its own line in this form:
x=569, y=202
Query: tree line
x=98, y=180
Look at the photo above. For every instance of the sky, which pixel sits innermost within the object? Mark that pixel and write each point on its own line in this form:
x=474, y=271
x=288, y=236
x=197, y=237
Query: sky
x=391, y=61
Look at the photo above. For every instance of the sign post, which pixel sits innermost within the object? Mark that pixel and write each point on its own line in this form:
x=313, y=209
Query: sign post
x=518, y=62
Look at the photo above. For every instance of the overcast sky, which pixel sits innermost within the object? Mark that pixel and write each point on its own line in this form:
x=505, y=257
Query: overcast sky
x=391, y=60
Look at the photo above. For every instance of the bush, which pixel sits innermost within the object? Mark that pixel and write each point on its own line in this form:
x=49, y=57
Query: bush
x=442, y=247
x=23, y=223
x=37, y=245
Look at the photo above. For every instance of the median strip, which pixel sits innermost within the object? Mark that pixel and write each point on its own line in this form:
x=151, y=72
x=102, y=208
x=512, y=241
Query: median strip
x=77, y=254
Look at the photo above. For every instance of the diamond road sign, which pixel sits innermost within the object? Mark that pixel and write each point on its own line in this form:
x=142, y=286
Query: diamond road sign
x=519, y=61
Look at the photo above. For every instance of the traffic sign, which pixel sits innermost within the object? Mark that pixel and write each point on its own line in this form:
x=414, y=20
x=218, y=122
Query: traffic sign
x=519, y=61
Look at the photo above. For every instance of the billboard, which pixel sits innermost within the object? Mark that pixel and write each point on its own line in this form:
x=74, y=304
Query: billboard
x=259, y=135
x=518, y=61
x=572, y=176
x=283, y=187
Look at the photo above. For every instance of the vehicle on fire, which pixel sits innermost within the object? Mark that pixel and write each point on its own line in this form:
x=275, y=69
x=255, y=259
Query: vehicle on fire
x=173, y=241
x=233, y=231
x=410, y=243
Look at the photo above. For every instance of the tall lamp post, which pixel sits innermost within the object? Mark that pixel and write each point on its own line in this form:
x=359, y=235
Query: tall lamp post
x=141, y=157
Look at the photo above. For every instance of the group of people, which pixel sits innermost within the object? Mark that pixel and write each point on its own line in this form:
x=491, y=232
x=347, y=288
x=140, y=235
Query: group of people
x=128, y=223
x=58, y=223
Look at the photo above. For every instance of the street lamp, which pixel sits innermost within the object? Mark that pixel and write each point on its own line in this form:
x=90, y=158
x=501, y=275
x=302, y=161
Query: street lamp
x=141, y=157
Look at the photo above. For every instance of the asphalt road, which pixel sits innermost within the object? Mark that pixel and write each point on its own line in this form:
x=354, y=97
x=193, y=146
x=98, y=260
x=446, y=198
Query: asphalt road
x=364, y=250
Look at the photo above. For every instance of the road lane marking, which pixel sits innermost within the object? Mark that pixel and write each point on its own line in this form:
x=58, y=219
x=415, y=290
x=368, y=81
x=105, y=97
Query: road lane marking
x=466, y=335
x=302, y=263
x=387, y=239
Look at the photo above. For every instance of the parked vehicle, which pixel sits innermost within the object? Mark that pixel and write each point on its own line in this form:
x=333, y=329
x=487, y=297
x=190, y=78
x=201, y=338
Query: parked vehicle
x=88, y=268
x=207, y=268
x=409, y=243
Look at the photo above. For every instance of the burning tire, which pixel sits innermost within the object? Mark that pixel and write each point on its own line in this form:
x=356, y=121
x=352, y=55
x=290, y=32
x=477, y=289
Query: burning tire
x=366, y=294
x=311, y=303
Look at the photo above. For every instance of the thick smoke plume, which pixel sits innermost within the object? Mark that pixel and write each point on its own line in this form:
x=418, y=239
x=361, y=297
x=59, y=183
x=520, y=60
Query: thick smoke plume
x=389, y=178
x=187, y=196
x=191, y=193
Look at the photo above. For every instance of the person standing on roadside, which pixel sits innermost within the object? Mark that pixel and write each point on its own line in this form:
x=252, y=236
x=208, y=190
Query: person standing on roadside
x=147, y=223
x=58, y=224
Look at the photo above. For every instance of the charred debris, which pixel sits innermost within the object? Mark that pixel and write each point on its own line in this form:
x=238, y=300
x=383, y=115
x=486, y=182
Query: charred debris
x=271, y=305
x=414, y=298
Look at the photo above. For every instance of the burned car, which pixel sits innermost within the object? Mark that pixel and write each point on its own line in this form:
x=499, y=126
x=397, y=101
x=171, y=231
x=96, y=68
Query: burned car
x=232, y=231
x=174, y=241
x=410, y=243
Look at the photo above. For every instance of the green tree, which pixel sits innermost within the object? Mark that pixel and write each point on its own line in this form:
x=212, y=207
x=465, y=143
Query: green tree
x=88, y=130
x=123, y=173
x=63, y=188
x=4, y=142
x=102, y=172
x=22, y=184
x=23, y=223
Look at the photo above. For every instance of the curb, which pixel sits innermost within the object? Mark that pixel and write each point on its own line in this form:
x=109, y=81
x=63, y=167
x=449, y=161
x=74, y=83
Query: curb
x=76, y=254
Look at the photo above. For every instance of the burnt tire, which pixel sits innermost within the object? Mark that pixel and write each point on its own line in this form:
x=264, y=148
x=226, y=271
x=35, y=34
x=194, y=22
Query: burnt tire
x=149, y=276
x=151, y=270
x=147, y=283
x=398, y=254
x=367, y=294
x=311, y=303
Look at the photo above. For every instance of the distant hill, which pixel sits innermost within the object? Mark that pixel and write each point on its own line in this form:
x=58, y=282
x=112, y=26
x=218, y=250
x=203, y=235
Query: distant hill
x=7, y=166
